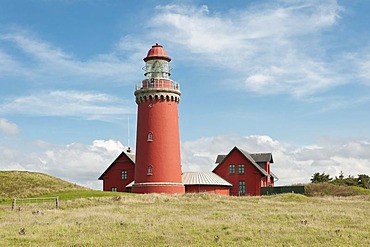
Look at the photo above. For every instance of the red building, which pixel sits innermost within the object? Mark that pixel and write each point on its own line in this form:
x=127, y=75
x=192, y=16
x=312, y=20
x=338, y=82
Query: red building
x=158, y=162
x=198, y=182
x=237, y=173
x=246, y=172
x=120, y=173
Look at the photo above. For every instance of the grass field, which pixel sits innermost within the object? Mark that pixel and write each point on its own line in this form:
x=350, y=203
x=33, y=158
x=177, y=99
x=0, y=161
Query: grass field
x=95, y=218
x=190, y=220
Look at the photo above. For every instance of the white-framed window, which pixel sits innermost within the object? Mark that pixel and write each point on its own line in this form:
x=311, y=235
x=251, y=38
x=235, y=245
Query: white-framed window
x=150, y=136
x=241, y=169
x=114, y=189
x=123, y=175
x=232, y=169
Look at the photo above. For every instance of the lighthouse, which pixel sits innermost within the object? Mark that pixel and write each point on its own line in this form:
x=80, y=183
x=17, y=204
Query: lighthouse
x=158, y=161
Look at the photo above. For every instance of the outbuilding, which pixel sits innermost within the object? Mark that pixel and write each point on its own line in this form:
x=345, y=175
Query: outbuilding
x=246, y=172
x=120, y=173
x=196, y=182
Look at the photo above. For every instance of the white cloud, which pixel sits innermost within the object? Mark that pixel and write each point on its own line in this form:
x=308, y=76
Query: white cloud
x=269, y=47
x=275, y=46
x=7, y=127
x=87, y=105
x=364, y=66
x=291, y=164
x=83, y=164
x=12, y=159
x=8, y=65
x=366, y=70
x=38, y=60
x=78, y=163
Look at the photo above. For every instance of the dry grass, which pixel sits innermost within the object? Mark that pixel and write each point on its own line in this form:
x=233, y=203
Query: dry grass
x=191, y=220
x=15, y=184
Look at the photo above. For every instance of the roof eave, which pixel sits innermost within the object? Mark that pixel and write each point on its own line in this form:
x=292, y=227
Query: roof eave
x=106, y=170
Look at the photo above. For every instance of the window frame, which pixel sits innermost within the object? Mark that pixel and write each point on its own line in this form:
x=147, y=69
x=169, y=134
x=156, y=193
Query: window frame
x=231, y=168
x=241, y=169
x=124, y=174
x=150, y=136
x=150, y=170
x=242, y=187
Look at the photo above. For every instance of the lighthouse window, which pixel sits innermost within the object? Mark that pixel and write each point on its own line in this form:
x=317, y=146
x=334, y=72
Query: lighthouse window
x=150, y=136
x=150, y=170
x=124, y=175
x=232, y=169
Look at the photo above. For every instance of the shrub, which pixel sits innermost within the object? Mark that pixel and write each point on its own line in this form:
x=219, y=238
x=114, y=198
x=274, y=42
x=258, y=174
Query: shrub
x=328, y=189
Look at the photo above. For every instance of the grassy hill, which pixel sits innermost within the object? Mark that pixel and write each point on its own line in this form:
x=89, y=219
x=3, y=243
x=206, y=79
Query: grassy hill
x=17, y=184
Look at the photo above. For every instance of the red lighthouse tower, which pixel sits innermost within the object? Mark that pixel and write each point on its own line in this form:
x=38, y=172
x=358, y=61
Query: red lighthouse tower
x=158, y=163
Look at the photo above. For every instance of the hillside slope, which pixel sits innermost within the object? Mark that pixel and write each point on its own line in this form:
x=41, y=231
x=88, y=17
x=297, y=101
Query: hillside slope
x=24, y=184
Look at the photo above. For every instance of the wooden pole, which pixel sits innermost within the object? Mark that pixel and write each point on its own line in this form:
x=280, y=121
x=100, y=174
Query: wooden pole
x=14, y=202
x=57, y=202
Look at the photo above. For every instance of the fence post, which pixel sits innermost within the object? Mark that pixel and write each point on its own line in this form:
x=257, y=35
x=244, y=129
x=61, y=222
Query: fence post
x=57, y=202
x=14, y=202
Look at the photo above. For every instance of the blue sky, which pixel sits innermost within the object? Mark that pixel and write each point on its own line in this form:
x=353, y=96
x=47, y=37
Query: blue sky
x=287, y=77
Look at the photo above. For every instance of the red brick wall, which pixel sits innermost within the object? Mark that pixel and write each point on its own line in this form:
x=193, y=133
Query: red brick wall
x=163, y=152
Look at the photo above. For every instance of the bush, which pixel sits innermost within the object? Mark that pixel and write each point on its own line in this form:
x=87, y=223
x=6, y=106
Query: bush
x=328, y=189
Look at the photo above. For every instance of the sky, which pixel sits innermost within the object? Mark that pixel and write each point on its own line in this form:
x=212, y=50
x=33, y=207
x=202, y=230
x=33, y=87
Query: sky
x=290, y=77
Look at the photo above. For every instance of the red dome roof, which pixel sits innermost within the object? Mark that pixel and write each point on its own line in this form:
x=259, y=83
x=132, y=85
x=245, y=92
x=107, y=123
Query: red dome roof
x=157, y=52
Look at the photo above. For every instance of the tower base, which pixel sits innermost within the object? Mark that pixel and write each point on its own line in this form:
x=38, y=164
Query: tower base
x=167, y=188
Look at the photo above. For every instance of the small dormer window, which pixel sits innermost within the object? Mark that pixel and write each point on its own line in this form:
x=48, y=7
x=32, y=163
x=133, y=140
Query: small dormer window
x=150, y=170
x=150, y=136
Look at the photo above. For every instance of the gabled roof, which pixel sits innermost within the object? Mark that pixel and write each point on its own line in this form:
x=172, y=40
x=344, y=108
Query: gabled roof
x=130, y=156
x=203, y=178
x=220, y=158
x=246, y=155
x=262, y=157
x=258, y=157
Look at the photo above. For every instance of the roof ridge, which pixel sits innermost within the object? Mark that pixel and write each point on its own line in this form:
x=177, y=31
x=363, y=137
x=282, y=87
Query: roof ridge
x=250, y=158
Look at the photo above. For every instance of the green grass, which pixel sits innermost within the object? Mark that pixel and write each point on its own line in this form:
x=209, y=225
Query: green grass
x=77, y=194
x=21, y=184
x=192, y=220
